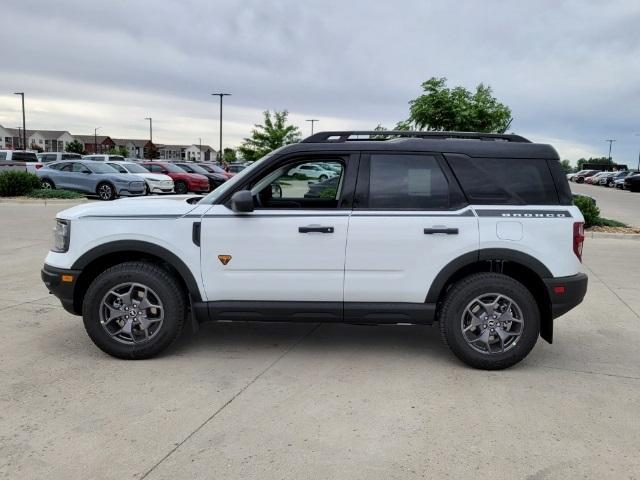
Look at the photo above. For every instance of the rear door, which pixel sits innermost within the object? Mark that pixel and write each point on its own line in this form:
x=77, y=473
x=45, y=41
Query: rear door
x=409, y=220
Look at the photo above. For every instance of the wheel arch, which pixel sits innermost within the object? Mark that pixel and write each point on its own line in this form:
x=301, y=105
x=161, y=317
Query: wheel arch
x=98, y=259
x=518, y=265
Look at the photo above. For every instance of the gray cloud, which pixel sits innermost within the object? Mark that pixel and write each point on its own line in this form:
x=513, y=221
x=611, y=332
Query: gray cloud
x=569, y=70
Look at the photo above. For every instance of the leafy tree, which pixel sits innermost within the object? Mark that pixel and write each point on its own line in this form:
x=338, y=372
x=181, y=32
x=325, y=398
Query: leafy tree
x=229, y=155
x=566, y=166
x=119, y=150
x=36, y=147
x=582, y=161
x=75, y=147
x=152, y=152
x=457, y=109
x=273, y=134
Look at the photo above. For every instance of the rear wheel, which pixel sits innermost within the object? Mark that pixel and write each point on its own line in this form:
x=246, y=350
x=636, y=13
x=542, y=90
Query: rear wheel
x=134, y=310
x=322, y=178
x=489, y=321
x=106, y=191
x=181, y=187
x=47, y=184
x=579, y=180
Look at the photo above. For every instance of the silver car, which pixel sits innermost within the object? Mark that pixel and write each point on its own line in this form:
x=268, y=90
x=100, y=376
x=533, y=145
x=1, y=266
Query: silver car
x=92, y=178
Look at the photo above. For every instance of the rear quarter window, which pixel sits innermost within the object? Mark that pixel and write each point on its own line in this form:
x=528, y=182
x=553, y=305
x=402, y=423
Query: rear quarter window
x=490, y=181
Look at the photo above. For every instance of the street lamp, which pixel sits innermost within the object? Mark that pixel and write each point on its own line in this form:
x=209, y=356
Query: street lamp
x=610, y=144
x=221, y=95
x=24, y=128
x=150, y=134
x=95, y=139
x=312, y=120
x=638, y=135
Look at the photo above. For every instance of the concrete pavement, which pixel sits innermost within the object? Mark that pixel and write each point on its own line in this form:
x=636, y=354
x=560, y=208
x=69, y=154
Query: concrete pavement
x=615, y=204
x=314, y=401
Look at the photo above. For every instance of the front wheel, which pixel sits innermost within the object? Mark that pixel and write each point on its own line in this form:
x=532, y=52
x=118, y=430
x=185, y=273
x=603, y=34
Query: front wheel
x=489, y=321
x=134, y=310
x=47, y=184
x=181, y=187
x=106, y=191
x=322, y=178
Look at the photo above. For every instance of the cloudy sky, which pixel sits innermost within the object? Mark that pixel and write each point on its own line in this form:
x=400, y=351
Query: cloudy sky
x=569, y=70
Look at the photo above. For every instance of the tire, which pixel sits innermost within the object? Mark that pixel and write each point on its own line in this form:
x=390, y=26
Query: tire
x=579, y=180
x=47, y=184
x=106, y=191
x=322, y=178
x=162, y=290
x=181, y=187
x=454, y=316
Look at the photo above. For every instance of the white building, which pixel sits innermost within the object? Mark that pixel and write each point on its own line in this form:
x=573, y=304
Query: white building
x=200, y=153
x=172, y=153
x=47, y=140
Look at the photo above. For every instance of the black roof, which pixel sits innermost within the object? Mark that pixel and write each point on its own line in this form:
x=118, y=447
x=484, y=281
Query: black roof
x=468, y=143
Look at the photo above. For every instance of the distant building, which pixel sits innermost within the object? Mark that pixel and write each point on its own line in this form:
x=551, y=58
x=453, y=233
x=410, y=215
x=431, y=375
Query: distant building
x=200, y=153
x=136, y=148
x=172, y=153
x=46, y=140
x=89, y=142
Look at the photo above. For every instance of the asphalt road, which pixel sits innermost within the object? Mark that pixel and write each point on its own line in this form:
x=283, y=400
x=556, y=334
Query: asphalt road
x=614, y=203
x=284, y=401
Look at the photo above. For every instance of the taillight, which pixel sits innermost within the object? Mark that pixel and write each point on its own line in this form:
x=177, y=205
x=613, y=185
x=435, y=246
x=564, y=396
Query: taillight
x=39, y=165
x=578, y=239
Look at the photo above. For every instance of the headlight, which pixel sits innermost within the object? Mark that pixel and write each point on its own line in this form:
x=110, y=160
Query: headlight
x=61, y=236
x=154, y=180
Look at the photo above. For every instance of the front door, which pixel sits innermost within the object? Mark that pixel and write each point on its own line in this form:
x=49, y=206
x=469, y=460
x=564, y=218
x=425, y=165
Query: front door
x=291, y=248
x=409, y=220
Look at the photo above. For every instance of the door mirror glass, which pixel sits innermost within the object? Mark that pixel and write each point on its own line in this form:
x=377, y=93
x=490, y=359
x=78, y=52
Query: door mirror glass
x=242, y=202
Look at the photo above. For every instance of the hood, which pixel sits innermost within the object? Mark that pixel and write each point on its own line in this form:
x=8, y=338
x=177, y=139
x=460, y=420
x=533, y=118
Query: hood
x=123, y=177
x=177, y=205
x=155, y=176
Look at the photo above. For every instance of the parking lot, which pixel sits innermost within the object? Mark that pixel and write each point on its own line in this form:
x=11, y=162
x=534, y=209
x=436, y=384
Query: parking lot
x=315, y=401
x=615, y=204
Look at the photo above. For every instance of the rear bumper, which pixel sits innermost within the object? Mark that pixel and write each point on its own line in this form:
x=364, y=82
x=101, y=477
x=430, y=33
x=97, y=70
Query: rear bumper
x=566, y=293
x=62, y=288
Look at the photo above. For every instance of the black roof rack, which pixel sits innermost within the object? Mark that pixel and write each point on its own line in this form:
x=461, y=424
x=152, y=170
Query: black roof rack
x=381, y=135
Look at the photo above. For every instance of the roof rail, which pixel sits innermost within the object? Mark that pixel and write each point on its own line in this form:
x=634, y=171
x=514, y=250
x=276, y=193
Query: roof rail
x=381, y=135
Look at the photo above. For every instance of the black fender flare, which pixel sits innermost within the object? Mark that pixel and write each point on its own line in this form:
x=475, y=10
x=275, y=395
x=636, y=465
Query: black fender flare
x=142, y=247
x=485, y=254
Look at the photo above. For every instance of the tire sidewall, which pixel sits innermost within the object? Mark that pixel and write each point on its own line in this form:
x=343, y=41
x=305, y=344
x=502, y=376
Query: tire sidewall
x=456, y=303
x=113, y=191
x=49, y=184
x=181, y=187
x=172, y=304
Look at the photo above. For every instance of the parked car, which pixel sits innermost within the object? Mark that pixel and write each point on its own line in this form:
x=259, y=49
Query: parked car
x=312, y=170
x=213, y=168
x=632, y=182
x=479, y=235
x=104, y=158
x=595, y=178
x=583, y=174
x=93, y=178
x=47, y=157
x=236, y=167
x=320, y=189
x=215, y=179
x=26, y=157
x=603, y=180
x=183, y=182
x=154, y=182
x=617, y=176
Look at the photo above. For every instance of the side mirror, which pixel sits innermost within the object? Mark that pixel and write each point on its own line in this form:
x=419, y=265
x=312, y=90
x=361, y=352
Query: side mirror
x=242, y=201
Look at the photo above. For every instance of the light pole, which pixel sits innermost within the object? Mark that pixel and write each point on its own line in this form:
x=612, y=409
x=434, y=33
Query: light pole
x=638, y=135
x=19, y=139
x=610, y=144
x=24, y=128
x=221, y=95
x=312, y=120
x=95, y=139
x=200, y=145
x=150, y=134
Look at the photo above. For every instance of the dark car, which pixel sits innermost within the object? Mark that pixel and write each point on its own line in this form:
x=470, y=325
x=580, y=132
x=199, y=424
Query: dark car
x=183, y=181
x=611, y=180
x=213, y=168
x=582, y=175
x=326, y=188
x=632, y=182
x=215, y=179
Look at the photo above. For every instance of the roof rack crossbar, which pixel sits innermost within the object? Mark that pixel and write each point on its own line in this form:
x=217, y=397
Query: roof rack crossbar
x=378, y=135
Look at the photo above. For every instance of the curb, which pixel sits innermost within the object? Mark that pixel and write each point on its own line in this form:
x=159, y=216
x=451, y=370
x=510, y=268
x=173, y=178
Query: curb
x=43, y=201
x=617, y=236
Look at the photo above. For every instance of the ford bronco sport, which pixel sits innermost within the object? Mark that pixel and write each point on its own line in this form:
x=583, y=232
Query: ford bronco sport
x=476, y=232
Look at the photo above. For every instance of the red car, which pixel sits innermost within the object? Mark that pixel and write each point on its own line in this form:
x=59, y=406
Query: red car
x=213, y=168
x=183, y=182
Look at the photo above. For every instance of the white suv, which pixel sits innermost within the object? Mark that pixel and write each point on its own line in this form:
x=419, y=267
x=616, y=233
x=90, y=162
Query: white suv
x=316, y=171
x=474, y=231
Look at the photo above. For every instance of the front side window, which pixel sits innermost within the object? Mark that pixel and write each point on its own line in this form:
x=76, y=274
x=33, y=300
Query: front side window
x=79, y=167
x=407, y=182
x=286, y=187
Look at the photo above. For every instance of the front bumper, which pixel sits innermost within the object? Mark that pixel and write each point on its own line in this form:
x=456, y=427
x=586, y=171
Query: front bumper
x=566, y=293
x=61, y=282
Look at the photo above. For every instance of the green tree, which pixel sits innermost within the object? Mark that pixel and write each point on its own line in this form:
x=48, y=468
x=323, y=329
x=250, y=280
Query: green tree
x=75, y=147
x=582, y=161
x=229, y=155
x=457, y=109
x=36, y=147
x=119, y=150
x=566, y=166
x=273, y=134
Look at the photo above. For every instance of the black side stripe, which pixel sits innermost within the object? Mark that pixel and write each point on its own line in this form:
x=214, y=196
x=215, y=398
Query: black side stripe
x=525, y=213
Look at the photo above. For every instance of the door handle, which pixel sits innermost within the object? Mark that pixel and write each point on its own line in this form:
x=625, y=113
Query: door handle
x=315, y=229
x=446, y=231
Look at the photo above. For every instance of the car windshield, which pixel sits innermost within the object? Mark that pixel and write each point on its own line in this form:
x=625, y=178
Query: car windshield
x=135, y=168
x=196, y=168
x=101, y=168
x=238, y=178
x=170, y=167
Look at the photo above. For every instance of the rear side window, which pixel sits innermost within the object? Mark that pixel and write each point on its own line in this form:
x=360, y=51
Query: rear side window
x=24, y=157
x=487, y=181
x=413, y=182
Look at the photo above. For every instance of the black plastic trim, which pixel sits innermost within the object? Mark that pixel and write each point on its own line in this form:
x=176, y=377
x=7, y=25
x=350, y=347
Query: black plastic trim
x=389, y=312
x=141, y=247
x=575, y=290
x=196, y=233
x=51, y=276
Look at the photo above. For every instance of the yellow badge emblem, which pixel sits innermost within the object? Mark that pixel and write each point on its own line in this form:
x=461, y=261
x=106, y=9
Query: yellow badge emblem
x=224, y=259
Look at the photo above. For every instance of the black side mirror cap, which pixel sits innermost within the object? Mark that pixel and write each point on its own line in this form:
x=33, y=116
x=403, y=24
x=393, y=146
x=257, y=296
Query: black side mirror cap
x=242, y=201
